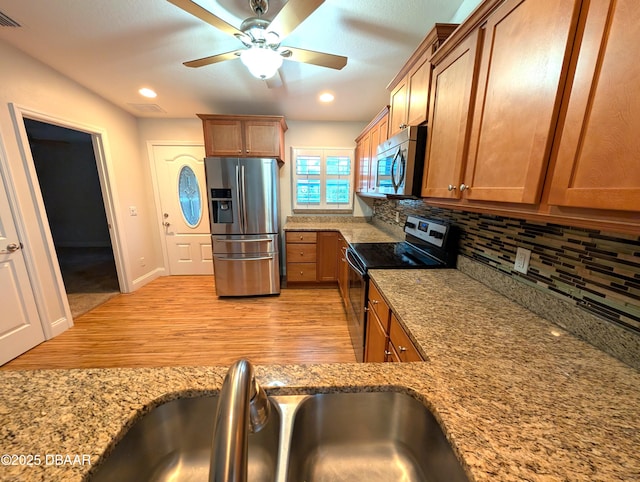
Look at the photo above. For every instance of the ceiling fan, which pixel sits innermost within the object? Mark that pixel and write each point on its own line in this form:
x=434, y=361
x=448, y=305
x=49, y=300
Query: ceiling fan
x=263, y=54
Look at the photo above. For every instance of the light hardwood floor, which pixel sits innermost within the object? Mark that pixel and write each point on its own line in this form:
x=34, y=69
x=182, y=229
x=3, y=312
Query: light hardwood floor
x=178, y=321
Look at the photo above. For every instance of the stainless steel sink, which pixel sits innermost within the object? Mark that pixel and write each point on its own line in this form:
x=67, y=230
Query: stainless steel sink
x=379, y=436
x=369, y=436
x=173, y=443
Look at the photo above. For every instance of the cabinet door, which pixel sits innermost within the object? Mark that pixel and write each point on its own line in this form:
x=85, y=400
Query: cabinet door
x=418, y=92
x=450, y=111
x=364, y=164
x=262, y=139
x=404, y=348
x=376, y=345
x=398, y=109
x=597, y=162
x=328, y=256
x=522, y=68
x=223, y=138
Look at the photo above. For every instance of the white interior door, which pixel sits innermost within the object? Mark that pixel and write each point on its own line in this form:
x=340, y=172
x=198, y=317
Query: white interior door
x=184, y=206
x=20, y=326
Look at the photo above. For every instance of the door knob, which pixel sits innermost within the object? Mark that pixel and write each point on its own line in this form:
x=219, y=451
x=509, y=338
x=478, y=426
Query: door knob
x=11, y=247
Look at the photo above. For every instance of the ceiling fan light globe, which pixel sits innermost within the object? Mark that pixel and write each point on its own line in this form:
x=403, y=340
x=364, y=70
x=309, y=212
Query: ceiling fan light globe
x=263, y=63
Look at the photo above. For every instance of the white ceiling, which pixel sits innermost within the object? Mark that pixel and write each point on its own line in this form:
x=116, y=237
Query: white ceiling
x=114, y=47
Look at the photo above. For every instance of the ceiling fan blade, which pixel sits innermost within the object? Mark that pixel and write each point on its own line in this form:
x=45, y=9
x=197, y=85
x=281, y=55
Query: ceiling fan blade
x=205, y=15
x=293, y=14
x=213, y=59
x=316, y=58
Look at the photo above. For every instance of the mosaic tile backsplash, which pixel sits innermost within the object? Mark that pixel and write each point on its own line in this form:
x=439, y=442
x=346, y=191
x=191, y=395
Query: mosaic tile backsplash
x=598, y=271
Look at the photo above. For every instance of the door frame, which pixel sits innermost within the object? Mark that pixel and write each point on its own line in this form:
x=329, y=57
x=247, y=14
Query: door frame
x=104, y=167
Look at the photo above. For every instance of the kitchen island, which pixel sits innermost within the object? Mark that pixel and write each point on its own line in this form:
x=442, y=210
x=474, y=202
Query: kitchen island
x=519, y=398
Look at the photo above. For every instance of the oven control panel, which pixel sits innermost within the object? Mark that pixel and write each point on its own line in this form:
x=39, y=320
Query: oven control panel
x=428, y=230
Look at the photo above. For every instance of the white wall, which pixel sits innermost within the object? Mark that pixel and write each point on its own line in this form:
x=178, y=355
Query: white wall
x=35, y=87
x=299, y=134
x=464, y=10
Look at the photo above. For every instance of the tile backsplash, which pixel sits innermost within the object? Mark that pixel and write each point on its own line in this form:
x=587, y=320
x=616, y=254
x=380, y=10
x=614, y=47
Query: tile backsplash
x=597, y=271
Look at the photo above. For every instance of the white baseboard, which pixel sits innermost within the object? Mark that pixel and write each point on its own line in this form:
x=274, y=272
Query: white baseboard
x=147, y=278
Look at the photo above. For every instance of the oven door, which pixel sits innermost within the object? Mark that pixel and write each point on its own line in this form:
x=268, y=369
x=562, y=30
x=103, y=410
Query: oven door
x=357, y=297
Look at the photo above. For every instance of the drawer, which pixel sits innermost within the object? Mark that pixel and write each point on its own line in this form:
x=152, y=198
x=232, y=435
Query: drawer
x=379, y=306
x=402, y=345
x=300, y=236
x=297, y=272
x=301, y=253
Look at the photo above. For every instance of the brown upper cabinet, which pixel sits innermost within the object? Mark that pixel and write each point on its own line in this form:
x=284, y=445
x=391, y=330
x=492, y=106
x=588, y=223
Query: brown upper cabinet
x=409, y=98
x=447, y=140
x=367, y=143
x=597, y=163
x=243, y=136
x=534, y=113
x=511, y=93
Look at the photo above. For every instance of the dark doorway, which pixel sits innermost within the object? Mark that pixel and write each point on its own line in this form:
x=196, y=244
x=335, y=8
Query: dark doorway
x=66, y=167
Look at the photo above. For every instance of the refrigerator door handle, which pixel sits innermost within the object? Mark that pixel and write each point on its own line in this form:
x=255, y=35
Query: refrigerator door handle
x=261, y=240
x=259, y=258
x=245, y=221
x=241, y=199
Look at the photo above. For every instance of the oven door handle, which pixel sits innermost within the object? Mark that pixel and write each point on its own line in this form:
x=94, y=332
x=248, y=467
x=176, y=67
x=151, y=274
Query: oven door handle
x=353, y=264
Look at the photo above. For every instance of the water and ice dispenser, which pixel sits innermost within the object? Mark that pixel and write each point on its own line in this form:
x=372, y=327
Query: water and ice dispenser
x=221, y=206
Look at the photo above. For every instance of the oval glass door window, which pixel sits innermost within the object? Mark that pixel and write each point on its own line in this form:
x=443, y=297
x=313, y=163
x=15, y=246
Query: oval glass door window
x=189, y=196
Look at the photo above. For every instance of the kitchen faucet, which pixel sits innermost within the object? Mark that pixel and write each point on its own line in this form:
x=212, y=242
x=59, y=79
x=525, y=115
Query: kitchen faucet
x=243, y=405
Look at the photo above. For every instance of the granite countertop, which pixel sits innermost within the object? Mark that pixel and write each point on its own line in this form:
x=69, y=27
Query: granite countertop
x=354, y=230
x=519, y=398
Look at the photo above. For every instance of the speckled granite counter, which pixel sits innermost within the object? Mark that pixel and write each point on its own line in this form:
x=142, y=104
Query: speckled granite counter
x=519, y=398
x=354, y=230
x=522, y=399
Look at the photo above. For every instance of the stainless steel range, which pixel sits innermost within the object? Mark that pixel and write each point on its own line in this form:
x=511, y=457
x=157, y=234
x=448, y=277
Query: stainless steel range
x=429, y=244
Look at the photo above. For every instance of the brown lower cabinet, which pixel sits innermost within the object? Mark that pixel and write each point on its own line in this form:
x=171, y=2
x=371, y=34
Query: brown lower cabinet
x=312, y=256
x=386, y=340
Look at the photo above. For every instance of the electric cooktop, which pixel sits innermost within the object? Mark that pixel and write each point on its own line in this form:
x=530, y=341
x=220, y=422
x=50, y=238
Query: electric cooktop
x=429, y=244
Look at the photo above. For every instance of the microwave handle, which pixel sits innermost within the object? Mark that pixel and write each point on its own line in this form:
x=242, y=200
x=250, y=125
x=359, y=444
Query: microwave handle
x=396, y=158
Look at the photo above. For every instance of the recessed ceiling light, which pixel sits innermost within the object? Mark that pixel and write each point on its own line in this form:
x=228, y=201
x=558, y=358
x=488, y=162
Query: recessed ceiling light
x=146, y=92
x=326, y=97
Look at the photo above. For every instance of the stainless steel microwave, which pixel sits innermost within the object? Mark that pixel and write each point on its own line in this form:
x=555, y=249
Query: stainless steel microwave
x=400, y=163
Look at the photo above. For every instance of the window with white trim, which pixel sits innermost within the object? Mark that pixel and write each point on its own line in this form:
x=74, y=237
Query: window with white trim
x=322, y=179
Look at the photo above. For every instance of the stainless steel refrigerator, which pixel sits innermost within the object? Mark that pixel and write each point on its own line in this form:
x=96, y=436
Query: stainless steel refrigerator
x=245, y=221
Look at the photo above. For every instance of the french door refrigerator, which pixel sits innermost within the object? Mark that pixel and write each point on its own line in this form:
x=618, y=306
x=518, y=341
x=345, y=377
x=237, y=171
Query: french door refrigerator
x=244, y=201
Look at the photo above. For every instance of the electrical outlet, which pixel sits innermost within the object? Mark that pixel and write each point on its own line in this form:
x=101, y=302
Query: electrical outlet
x=522, y=260
x=397, y=216
x=133, y=211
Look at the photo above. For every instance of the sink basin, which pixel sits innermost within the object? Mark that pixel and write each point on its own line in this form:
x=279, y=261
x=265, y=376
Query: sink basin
x=378, y=436
x=173, y=443
x=372, y=436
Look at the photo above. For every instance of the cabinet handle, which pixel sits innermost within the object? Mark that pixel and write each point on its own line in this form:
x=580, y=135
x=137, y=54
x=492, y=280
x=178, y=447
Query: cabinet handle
x=403, y=126
x=401, y=349
x=239, y=151
x=301, y=237
x=451, y=187
x=464, y=187
x=301, y=273
x=374, y=302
